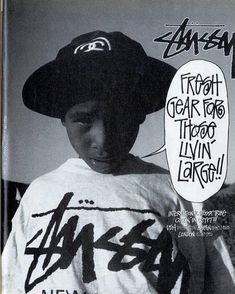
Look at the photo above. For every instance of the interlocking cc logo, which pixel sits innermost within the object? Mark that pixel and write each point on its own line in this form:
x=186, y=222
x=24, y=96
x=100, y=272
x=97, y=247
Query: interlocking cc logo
x=97, y=44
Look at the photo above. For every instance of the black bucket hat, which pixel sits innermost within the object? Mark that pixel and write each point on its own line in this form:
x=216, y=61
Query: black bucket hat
x=98, y=65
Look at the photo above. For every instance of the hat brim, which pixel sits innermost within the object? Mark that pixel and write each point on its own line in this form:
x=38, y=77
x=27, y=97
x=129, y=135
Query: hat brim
x=58, y=85
x=155, y=83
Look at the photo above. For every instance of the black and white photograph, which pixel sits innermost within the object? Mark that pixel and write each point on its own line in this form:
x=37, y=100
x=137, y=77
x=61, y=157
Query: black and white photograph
x=118, y=162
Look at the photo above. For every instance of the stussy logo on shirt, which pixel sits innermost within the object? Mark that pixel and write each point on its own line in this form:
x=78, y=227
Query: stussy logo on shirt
x=63, y=243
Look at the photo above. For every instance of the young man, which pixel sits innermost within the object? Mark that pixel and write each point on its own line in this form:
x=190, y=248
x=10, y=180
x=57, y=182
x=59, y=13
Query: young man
x=98, y=223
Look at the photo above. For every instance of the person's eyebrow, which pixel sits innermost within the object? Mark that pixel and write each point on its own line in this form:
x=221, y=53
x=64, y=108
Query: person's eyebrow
x=83, y=111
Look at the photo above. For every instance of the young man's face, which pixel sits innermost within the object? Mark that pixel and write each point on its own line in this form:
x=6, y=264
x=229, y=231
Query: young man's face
x=102, y=133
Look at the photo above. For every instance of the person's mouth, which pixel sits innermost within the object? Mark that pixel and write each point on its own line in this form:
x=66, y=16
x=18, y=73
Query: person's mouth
x=104, y=164
x=104, y=159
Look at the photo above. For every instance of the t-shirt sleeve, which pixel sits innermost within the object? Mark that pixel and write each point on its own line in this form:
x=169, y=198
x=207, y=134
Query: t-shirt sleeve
x=13, y=262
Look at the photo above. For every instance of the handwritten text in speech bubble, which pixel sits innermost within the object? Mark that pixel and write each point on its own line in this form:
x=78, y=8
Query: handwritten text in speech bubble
x=196, y=130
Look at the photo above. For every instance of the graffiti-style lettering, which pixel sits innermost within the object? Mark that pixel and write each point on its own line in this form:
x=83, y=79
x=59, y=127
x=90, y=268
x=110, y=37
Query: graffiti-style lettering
x=184, y=39
x=162, y=246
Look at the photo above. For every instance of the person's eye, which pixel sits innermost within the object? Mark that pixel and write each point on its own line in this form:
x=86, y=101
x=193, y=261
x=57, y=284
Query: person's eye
x=82, y=120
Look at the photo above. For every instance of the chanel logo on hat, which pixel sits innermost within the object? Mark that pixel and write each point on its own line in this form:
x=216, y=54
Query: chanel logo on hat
x=97, y=44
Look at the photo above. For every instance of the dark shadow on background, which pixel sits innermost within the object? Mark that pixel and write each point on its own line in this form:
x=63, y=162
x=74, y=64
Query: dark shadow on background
x=11, y=194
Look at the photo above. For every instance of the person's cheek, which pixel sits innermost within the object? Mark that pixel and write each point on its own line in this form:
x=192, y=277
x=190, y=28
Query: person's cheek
x=125, y=139
x=83, y=141
x=75, y=135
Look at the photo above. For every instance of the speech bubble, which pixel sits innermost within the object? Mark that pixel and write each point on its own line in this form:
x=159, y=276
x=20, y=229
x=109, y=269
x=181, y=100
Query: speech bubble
x=163, y=148
x=196, y=130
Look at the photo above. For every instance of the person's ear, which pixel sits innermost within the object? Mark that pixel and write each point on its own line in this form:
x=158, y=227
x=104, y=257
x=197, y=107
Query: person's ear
x=140, y=113
x=142, y=118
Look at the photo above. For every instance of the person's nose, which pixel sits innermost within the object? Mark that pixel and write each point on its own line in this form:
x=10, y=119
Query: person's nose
x=102, y=137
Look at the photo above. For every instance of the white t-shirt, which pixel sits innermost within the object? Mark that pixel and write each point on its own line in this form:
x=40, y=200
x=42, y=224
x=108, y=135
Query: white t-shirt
x=78, y=231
